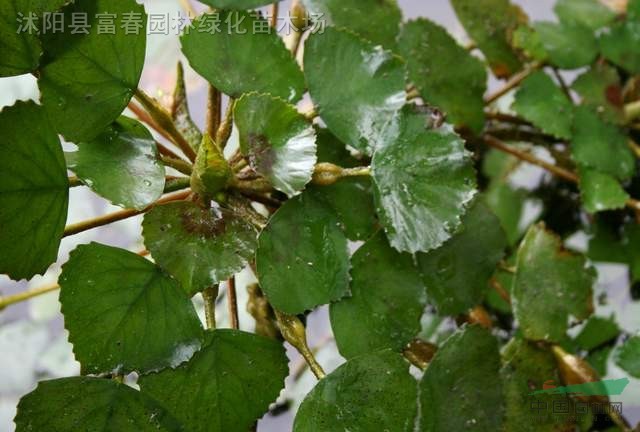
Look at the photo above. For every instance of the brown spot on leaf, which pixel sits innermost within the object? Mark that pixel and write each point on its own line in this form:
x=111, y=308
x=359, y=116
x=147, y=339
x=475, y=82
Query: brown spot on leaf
x=614, y=95
x=204, y=222
x=261, y=156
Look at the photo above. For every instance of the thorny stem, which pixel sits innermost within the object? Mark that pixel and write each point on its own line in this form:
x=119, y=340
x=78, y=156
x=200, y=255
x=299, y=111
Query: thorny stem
x=232, y=300
x=553, y=169
x=512, y=83
x=162, y=117
x=209, y=296
x=120, y=215
x=293, y=331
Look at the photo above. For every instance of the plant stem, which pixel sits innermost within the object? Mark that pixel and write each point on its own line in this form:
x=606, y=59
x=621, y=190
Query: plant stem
x=226, y=126
x=26, y=295
x=188, y=8
x=326, y=173
x=176, y=183
x=635, y=148
x=214, y=111
x=563, y=84
x=502, y=292
x=553, y=169
x=120, y=215
x=178, y=164
x=144, y=117
x=209, y=295
x=632, y=111
x=293, y=331
x=513, y=82
x=74, y=181
x=164, y=120
x=274, y=14
x=232, y=300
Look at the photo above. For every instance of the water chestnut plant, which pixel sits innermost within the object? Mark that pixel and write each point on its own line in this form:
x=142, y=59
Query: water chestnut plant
x=453, y=231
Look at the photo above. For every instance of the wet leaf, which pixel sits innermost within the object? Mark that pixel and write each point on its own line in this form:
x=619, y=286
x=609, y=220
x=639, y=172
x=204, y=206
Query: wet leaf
x=627, y=356
x=34, y=191
x=98, y=404
x=124, y=314
x=351, y=397
x=424, y=181
x=457, y=273
x=226, y=386
x=199, y=247
x=438, y=65
x=375, y=20
x=463, y=378
x=386, y=303
x=237, y=47
x=350, y=198
x=121, y=164
x=601, y=90
x=596, y=332
x=560, y=41
x=361, y=111
x=601, y=191
x=302, y=259
x=600, y=145
x=589, y=13
x=20, y=43
x=620, y=43
x=540, y=101
x=488, y=23
x=86, y=81
x=551, y=284
x=278, y=141
x=527, y=368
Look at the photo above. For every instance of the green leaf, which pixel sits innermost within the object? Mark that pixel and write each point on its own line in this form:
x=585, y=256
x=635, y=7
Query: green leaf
x=373, y=392
x=600, y=145
x=540, y=101
x=226, y=386
x=601, y=191
x=237, y=59
x=350, y=198
x=20, y=43
x=589, y=13
x=386, y=303
x=488, y=23
x=123, y=313
x=424, y=181
x=596, y=332
x=457, y=273
x=121, y=164
x=601, y=90
x=620, y=44
x=278, y=141
x=526, y=368
x=527, y=40
x=375, y=20
x=199, y=247
x=507, y=203
x=302, y=259
x=86, y=81
x=438, y=66
x=560, y=41
x=92, y=404
x=237, y=4
x=463, y=378
x=34, y=191
x=361, y=111
x=551, y=284
x=627, y=356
